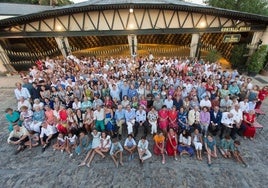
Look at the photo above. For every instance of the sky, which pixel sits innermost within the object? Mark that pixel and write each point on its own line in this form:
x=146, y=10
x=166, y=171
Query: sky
x=193, y=1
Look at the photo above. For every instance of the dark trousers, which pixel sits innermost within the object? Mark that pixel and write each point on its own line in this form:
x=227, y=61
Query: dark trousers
x=137, y=126
x=22, y=142
x=53, y=136
x=214, y=129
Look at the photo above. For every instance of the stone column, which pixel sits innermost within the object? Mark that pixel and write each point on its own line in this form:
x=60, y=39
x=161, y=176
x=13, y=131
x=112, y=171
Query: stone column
x=63, y=45
x=194, y=44
x=5, y=62
x=264, y=37
x=132, y=42
x=254, y=42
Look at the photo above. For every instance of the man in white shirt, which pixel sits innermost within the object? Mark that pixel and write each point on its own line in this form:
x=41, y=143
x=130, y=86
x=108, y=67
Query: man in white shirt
x=143, y=150
x=21, y=92
x=48, y=132
x=99, y=117
x=141, y=121
x=18, y=136
x=205, y=102
x=239, y=128
x=227, y=122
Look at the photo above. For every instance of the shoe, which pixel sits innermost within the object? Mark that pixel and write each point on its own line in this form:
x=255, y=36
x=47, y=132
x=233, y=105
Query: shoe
x=121, y=163
x=88, y=165
x=61, y=150
x=176, y=158
x=70, y=156
x=163, y=162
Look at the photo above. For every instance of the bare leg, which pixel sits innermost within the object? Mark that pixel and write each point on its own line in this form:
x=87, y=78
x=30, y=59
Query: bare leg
x=91, y=158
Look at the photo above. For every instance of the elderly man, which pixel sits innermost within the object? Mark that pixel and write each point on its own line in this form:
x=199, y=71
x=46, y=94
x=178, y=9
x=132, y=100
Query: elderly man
x=158, y=103
x=228, y=123
x=239, y=128
x=21, y=92
x=141, y=121
x=120, y=119
x=19, y=136
x=130, y=116
x=215, y=120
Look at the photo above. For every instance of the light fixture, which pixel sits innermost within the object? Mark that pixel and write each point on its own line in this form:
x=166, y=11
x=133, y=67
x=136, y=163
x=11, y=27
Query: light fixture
x=58, y=28
x=131, y=10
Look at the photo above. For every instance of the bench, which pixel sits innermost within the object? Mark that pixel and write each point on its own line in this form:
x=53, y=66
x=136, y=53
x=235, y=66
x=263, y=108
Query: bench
x=260, y=114
x=258, y=126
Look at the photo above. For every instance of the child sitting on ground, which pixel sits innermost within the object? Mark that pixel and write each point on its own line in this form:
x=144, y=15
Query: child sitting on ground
x=60, y=144
x=71, y=143
x=237, y=155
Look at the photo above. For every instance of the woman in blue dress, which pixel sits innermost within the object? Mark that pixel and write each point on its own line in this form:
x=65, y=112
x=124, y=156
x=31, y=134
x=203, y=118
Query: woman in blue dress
x=109, y=121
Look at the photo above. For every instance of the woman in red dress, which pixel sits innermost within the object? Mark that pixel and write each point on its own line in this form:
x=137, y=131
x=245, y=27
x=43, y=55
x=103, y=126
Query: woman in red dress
x=172, y=143
x=172, y=117
x=163, y=119
x=249, y=119
x=263, y=93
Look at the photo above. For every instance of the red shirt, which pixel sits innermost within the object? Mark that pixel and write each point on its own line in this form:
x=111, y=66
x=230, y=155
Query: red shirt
x=262, y=94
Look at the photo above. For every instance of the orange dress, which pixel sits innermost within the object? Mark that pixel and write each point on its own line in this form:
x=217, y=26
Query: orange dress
x=159, y=139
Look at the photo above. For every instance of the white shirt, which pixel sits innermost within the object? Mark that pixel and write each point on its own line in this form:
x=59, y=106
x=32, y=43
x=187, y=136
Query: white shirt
x=50, y=130
x=140, y=116
x=22, y=93
x=225, y=119
x=168, y=103
x=206, y=103
x=99, y=115
x=24, y=103
x=244, y=106
x=238, y=115
x=184, y=140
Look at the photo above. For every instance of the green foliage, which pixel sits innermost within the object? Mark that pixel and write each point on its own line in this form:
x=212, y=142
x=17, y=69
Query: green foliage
x=213, y=55
x=238, y=57
x=250, y=6
x=256, y=61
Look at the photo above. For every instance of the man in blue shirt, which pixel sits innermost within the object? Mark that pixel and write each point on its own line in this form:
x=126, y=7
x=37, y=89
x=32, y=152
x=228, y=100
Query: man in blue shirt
x=120, y=119
x=130, y=116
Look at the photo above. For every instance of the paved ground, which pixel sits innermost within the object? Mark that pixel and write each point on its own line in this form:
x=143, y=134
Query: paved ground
x=32, y=168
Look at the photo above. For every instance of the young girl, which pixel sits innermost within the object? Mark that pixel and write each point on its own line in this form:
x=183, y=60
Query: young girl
x=60, y=144
x=71, y=143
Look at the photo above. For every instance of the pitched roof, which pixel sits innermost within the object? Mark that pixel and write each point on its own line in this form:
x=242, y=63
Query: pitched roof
x=21, y=9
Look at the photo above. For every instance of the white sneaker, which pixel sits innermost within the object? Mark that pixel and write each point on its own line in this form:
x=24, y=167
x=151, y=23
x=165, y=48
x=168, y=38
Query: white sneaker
x=70, y=155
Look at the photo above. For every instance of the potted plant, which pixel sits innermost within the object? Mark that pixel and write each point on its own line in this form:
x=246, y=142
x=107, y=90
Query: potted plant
x=256, y=61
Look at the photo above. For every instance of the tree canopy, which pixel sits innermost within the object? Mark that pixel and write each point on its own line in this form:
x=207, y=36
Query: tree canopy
x=250, y=6
x=40, y=2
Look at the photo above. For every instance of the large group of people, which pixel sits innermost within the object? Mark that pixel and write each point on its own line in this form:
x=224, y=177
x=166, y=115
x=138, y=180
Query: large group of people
x=88, y=105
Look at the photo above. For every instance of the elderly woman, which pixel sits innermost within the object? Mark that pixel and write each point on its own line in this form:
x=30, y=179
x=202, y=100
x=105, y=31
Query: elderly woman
x=248, y=121
x=38, y=103
x=38, y=118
